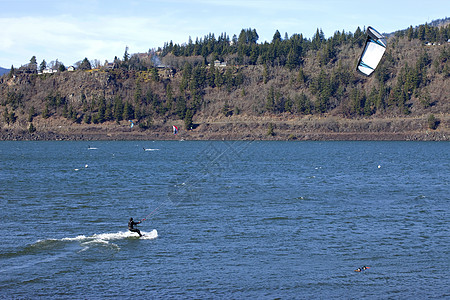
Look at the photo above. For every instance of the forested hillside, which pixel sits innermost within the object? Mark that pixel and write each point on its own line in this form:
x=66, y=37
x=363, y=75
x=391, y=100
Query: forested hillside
x=278, y=86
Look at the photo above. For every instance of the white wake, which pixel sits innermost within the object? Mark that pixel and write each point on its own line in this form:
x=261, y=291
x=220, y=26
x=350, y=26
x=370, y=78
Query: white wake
x=99, y=239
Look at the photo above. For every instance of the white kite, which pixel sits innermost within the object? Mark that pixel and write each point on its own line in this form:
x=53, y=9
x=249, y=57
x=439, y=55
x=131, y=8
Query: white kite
x=373, y=52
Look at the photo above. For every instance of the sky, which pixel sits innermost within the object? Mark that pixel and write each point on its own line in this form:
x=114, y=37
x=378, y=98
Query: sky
x=70, y=30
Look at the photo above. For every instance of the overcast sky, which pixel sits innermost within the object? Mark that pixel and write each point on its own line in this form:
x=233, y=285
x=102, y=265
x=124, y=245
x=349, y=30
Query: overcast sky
x=70, y=30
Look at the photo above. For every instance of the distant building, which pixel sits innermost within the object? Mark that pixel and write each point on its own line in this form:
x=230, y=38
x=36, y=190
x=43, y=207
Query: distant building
x=219, y=64
x=109, y=66
x=165, y=72
x=71, y=69
x=49, y=71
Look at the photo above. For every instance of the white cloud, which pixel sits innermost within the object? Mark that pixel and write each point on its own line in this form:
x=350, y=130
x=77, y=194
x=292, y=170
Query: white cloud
x=70, y=39
x=71, y=30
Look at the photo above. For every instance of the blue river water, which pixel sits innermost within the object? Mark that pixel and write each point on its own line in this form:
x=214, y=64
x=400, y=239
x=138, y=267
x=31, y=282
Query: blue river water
x=225, y=220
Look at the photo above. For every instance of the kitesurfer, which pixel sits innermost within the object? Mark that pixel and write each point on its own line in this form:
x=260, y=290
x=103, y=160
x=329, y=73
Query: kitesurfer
x=131, y=228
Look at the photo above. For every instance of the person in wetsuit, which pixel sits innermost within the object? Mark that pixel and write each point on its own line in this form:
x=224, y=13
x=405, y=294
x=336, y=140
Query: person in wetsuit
x=131, y=228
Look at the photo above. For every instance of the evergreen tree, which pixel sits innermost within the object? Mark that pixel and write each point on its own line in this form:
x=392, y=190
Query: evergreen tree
x=87, y=119
x=276, y=37
x=128, y=111
x=108, y=112
x=46, y=112
x=32, y=66
x=210, y=76
x=270, y=100
x=432, y=122
x=126, y=55
x=6, y=116
x=11, y=72
x=118, y=109
x=65, y=112
x=181, y=107
x=85, y=64
x=138, y=93
x=31, y=114
x=292, y=59
x=318, y=39
x=31, y=128
x=270, y=129
x=188, y=124
x=303, y=104
x=43, y=65
x=169, y=97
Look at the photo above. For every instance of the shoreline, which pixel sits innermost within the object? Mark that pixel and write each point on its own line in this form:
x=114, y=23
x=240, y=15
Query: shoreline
x=242, y=128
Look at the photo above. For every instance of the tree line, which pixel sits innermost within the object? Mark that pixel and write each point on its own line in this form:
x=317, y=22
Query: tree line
x=335, y=87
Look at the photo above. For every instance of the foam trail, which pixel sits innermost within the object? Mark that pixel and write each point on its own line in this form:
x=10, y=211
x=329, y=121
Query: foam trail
x=100, y=239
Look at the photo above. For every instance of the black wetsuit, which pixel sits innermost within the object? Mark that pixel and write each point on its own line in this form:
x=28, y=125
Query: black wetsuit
x=131, y=228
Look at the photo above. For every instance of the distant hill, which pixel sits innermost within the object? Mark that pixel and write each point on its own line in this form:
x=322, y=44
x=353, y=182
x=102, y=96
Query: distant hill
x=440, y=22
x=222, y=88
x=3, y=71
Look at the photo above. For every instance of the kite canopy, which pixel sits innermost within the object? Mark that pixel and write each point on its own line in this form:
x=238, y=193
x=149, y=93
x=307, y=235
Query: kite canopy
x=372, y=53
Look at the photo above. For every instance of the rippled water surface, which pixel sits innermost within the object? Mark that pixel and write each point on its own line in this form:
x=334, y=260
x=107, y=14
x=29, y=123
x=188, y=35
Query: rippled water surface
x=225, y=220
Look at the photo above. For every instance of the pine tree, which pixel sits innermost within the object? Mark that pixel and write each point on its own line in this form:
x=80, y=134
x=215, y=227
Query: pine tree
x=180, y=109
x=126, y=55
x=276, y=37
x=270, y=100
x=31, y=128
x=6, y=115
x=33, y=65
x=46, y=112
x=432, y=122
x=210, y=77
x=301, y=76
x=292, y=59
x=43, y=65
x=85, y=64
x=118, y=109
x=188, y=124
x=31, y=114
x=11, y=72
x=128, y=111
x=270, y=129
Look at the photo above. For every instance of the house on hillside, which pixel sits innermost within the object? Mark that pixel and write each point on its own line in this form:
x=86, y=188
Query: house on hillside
x=49, y=71
x=165, y=71
x=71, y=69
x=219, y=64
x=109, y=66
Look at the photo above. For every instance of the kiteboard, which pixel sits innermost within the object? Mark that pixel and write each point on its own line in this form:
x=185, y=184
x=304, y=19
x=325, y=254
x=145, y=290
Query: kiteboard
x=145, y=235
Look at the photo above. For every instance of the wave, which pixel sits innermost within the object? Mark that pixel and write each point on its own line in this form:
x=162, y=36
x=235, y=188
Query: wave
x=44, y=251
x=100, y=239
x=114, y=236
x=149, y=149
